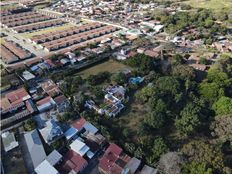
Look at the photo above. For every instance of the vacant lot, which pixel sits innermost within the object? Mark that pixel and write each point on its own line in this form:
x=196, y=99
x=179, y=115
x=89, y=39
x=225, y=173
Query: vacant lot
x=211, y=4
x=132, y=116
x=7, y=7
x=46, y=30
x=13, y=162
x=110, y=66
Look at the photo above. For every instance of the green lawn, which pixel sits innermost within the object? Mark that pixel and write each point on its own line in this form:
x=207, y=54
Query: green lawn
x=210, y=4
x=110, y=66
x=46, y=30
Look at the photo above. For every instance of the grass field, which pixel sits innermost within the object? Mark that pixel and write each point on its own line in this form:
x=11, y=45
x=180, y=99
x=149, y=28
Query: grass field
x=110, y=66
x=46, y=30
x=6, y=7
x=132, y=116
x=1, y=40
x=211, y=4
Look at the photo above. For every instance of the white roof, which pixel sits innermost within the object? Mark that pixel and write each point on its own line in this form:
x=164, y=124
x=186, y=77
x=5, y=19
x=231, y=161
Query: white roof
x=70, y=133
x=79, y=147
x=54, y=157
x=51, y=131
x=8, y=140
x=27, y=75
x=45, y=167
x=35, y=147
x=90, y=128
x=90, y=154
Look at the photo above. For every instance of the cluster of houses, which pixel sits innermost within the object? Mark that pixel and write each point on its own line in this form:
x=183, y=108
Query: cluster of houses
x=19, y=104
x=12, y=52
x=23, y=18
x=114, y=96
x=82, y=145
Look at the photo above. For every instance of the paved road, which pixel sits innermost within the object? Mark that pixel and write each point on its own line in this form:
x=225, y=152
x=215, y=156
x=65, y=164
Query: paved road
x=107, y=23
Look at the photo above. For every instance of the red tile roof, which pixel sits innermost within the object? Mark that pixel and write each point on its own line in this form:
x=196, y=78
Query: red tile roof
x=73, y=161
x=107, y=162
x=18, y=94
x=79, y=123
x=43, y=101
x=60, y=99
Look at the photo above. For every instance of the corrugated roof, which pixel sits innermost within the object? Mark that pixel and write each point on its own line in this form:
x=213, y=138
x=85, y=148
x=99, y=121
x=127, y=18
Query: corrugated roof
x=35, y=147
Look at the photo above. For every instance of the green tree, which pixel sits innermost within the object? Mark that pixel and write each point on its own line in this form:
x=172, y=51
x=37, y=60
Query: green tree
x=196, y=168
x=221, y=128
x=130, y=147
x=119, y=78
x=203, y=60
x=144, y=94
x=188, y=121
x=144, y=63
x=29, y=125
x=202, y=152
x=184, y=72
x=223, y=106
x=211, y=91
x=155, y=120
x=159, y=148
x=66, y=116
x=178, y=59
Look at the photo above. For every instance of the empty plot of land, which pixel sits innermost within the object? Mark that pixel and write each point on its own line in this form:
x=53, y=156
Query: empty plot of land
x=211, y=4
x=8, y=6
x=47, y=30
x=13, y=162
x=109, y=66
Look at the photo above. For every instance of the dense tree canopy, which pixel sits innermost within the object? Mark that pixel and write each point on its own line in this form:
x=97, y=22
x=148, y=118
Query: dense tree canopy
x=142, y=62
x=201, y=152
x=223, y=106
x=196, y=168
x=189, y=119
x=222, y=128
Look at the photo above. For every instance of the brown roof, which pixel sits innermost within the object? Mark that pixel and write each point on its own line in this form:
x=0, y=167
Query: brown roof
x=7, y=55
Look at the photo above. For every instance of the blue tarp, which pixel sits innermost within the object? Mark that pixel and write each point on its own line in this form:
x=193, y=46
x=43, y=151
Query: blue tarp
x=34, y=68
x=136, y=80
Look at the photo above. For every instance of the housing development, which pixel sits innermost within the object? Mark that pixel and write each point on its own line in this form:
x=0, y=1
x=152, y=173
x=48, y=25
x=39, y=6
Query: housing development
x=116, y=87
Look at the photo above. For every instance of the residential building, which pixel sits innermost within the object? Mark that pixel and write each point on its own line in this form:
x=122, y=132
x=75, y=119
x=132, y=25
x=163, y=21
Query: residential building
x=51, y=132
x=70, y=133
x=79, y=147
x=73, y=163
x=54, y=158
x=148, y=170
x=45, y=167
x=113, y=160
x=62, y=103
x=8, y=141
x=45, y=104
x=79, y=124
x=132, y=166
x=35, y=148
